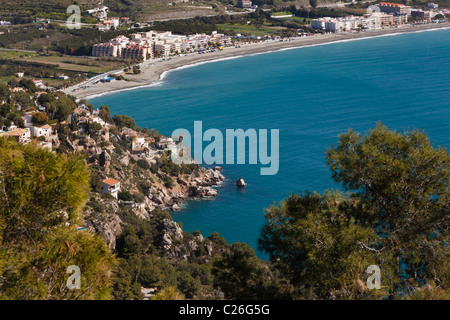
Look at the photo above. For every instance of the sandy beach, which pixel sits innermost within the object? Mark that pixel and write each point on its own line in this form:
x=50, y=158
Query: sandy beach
x=153, y=69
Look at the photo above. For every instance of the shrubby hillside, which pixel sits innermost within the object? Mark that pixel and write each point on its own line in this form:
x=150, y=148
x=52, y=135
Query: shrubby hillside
x=394, y=214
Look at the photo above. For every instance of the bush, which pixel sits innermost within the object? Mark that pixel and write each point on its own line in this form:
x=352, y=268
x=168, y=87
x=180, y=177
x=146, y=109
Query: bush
x=39, y=118
x=136, y=70
x=144, y=187
x=125, y=196
x=168, y=182
x=143, y=164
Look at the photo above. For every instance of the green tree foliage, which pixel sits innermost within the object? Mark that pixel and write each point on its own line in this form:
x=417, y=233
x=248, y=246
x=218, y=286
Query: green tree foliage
x=169, y=293
x=143, y=164
x=136, y=70
x=4, y=92
x=317, y=244
x=28, y=85
x=243, y=276
x=42, y=192
x=405, y=182
x=124, y=121
x=313, y=3
x=9, y=114
x=396, y=216
x=125, y=196
x=94, y=128
x=57, y=105
x=39, y=118
x=63, y=107
x=105, y=114
x=22, y=100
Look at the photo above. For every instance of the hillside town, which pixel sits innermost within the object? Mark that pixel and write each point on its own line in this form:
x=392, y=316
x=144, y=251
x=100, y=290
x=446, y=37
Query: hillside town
x=100, y=137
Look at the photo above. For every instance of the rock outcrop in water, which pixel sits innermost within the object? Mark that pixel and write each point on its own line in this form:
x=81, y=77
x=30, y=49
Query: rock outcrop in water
x=240, y=183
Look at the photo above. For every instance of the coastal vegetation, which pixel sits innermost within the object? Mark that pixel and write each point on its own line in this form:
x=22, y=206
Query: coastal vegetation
x=43, y=195
x=393, y=213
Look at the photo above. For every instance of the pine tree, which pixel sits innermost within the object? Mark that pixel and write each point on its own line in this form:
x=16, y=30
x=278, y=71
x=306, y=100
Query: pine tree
x=42, y=195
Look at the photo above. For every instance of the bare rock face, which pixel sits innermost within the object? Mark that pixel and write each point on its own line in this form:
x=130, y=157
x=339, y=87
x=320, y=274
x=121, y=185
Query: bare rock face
x=104, y=159
x=199, y=238
x=192, y=245
x=125, y=160
x=113, y=206
x=240, y=183
x=211, y=178
x=209, y=248
x=109, y=228
x=164, y=193
x=157, y=199
x=210, y=192
x=219, y=295
x=142, y=212
x=171, y=233
x=200, y=191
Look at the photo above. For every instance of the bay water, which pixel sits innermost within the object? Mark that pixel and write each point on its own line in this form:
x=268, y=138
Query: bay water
x=311, y=95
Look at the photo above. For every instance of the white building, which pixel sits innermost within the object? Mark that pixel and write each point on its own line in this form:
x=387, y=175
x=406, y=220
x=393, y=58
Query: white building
x=146, y=45
x=113, y=48
x=27, y=119
x=97, y=10
x=138, y=145
x=21, y=135
x=43, y=131
x=162, y=49
x=336, y=24
x=373, y=21
x=111, y=186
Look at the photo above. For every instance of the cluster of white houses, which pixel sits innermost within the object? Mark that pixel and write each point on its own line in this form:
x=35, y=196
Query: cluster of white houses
x=83, y=117
x=105, y=23
x=23, y=135
x=152, y=44
x=383, y=14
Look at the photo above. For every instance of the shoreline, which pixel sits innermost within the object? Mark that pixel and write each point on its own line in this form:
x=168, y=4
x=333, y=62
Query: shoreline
x=154, y=71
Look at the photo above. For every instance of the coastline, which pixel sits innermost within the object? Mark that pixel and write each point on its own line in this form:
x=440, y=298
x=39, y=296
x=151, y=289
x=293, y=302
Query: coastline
x=155, y=70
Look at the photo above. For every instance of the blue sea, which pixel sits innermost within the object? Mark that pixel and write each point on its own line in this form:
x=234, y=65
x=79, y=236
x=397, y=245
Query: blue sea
x=311, y=95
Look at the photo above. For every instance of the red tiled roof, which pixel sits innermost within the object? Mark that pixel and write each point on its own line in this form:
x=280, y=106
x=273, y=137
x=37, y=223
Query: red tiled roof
x=15, y=132
x=391, y=4
x=111, y=181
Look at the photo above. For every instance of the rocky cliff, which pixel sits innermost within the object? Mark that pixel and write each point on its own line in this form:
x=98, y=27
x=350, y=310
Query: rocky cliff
x=148, y=181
